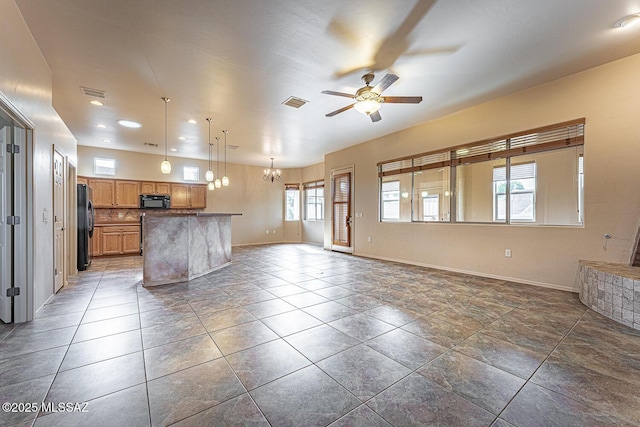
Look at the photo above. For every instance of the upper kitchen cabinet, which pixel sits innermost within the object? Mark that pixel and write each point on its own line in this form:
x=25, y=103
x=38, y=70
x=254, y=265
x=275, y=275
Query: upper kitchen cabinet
x=185, y=196
x=198, y=196
x=127, y=193
x=155, y=188
x=104, y=195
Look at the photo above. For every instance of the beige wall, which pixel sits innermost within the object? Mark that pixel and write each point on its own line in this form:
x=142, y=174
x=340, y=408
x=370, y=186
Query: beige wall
x=607, y=96
x=261, y=203
x=26, y=82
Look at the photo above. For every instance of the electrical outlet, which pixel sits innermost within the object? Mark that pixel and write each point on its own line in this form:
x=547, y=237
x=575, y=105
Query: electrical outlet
x=507, y=253
x=369, y=239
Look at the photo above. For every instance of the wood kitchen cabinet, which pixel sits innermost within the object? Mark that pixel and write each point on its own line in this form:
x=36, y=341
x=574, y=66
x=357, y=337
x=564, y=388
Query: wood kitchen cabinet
x=112, y=193
x=127, y=194
x=198, y=196
x=185, y=196
x=155, y=188
x=104, y=194
x=96, y=241
x=120, y=239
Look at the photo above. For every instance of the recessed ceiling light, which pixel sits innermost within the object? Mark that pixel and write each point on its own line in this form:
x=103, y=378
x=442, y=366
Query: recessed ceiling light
x=182, y=138
x=106, y=140
x=96, y=102
x=628, y=21
x=101, y=125
x=192, y=121
x=129, y=124
x=173, y=149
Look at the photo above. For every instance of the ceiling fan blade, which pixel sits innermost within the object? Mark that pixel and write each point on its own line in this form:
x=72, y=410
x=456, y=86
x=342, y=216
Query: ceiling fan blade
x=375, y=117
x=386, y=81
x=333, y=113
x=402, y=99
x=330, y=92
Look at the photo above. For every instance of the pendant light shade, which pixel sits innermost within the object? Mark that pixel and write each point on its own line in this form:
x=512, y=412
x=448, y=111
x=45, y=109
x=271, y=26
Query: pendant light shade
x=165, y=166
x=209, y=175
x=211, y=186
x=225, y=178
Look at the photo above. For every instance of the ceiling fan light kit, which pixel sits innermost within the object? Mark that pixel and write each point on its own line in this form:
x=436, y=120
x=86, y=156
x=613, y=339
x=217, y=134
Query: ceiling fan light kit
x=369, y=99
x=628, y=21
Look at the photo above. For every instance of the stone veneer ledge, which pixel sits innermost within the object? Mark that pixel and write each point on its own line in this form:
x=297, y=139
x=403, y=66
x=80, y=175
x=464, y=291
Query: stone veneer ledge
x=612, y=290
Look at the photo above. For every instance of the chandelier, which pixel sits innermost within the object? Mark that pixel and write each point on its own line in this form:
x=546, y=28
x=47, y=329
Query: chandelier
x=271, y=174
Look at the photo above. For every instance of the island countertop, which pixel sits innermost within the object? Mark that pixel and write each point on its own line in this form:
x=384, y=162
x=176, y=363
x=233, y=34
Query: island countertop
x=179, y=247
x=169, y=213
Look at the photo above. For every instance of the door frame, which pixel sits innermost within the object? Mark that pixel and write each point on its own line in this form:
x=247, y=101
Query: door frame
x=23, y=304
x=339, y=171
x=57, y=151
x=71, y=248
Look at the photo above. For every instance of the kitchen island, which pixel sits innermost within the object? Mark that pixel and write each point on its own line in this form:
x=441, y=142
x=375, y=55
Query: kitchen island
x=178, y=247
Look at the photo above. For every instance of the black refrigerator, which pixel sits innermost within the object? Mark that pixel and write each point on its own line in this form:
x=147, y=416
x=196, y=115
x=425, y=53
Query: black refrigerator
x=85, y=226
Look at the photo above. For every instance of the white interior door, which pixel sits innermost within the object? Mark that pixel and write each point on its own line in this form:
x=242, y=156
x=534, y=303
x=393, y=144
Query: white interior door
x=6, y=263
x=58, y=220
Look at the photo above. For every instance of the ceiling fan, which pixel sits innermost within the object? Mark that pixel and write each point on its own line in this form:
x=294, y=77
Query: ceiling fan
x=368, y=99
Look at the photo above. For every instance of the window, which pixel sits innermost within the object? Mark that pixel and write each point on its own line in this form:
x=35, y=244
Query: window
x=191, y=173
x=314, y=200
x=431, y=207
x=390, y=210
x=292, y=202
x=581, y=188
x=532, y=177
x=522, y=192
x=431, y=186
x=104, y=166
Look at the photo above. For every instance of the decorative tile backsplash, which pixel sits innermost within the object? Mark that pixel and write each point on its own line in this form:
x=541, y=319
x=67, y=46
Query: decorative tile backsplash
x=612, y=290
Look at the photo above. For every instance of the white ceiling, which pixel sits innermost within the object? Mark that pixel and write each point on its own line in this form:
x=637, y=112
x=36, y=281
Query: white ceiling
x=238, y=60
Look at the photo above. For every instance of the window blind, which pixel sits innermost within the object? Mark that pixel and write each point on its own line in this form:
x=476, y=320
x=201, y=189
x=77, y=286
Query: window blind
x=521, y=171
x=547, y=138
x=292, y=187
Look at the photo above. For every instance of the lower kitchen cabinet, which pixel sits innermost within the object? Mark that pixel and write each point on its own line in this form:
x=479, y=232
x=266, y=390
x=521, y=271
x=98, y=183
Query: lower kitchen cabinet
x=96, y=241
x=120, y=239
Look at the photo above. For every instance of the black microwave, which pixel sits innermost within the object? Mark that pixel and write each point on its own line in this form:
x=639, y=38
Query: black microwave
x=155, y=201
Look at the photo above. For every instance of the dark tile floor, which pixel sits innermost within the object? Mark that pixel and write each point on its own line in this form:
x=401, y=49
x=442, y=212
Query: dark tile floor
x=291, y=335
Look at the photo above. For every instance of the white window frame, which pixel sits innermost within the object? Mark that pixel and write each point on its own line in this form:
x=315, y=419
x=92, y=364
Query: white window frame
x=291, y=200
x=191, y=173
x=384, y=200
x=104, y=169
x=315, y=190
x=528, y=171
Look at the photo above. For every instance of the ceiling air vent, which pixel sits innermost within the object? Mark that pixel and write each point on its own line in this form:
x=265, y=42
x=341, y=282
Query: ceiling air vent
x=150, y=144
x=294, y=102
x=233, y=147
x=96, y=93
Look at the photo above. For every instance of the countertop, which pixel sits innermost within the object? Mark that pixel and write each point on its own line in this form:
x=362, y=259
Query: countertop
x=201, y=214
x=116, y=223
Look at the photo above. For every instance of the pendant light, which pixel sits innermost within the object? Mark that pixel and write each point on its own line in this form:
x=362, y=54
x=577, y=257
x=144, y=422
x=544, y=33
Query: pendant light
x=165, y=166
x=217, y=182
x=225, y=178
x=209, y=175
